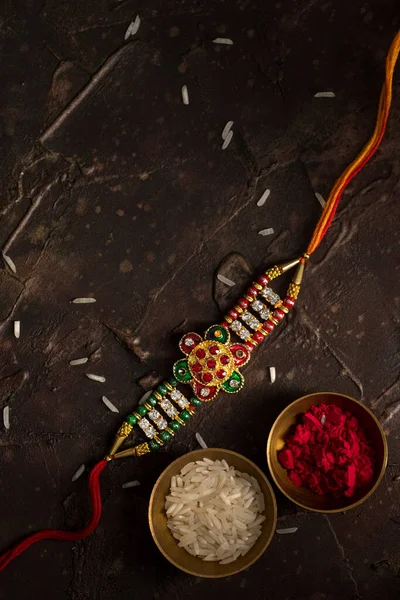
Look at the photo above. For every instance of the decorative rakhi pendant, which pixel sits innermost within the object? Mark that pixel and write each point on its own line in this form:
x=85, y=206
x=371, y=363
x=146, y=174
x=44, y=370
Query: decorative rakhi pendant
x=211, y=364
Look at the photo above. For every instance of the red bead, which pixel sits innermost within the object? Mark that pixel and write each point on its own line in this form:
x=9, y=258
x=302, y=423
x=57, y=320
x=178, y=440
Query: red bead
x=224, y=359
x=192, y=407
x=262, y=280
x=288, y=302
x=268, y=325
x=214, y=350
x=252, y=291
x=211, y=363
x=200, y=353
x=221, y=373
x=279, y=314
x=224, y=324
x=233, y=314
x=207, y=377
x=258, y=336
x=249, y=346
x=243, y=302
x=197, y=368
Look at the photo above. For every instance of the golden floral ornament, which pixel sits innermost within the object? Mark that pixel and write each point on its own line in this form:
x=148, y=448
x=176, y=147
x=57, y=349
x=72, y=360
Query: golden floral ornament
x=212, y=363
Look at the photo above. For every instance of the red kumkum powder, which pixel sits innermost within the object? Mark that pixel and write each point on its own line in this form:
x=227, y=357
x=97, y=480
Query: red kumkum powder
x=328, y=453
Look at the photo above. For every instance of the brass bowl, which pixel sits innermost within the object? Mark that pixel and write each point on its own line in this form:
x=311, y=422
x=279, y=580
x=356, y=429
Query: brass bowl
x=290, y=417
x=168, y=545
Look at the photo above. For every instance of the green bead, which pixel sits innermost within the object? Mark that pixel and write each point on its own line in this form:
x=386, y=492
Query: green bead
x=185, y=415
x=152, y=400
x=131, y=420
x=141, y=410
x=153, y=445
x=164, y=436
x=174, y=425
x=162, y=389
x=195, y=401
x=172, y=381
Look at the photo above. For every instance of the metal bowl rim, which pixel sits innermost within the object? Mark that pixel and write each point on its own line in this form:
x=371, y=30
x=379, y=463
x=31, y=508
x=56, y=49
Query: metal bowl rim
x=262, y=475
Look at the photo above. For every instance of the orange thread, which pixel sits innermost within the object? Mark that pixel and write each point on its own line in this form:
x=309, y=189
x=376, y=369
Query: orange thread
x=366, y=153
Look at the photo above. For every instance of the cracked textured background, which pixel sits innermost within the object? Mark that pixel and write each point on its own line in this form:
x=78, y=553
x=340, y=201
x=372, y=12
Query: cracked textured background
x=112, y=187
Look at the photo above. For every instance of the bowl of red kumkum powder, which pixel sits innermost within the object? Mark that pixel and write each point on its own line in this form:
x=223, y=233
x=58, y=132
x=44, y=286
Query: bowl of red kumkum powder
x=327, y=452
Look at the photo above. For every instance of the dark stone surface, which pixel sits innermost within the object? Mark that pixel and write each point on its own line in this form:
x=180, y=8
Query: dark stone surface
x=111, y=187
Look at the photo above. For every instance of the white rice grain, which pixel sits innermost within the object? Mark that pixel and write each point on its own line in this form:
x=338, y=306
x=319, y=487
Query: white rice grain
x=185, y=95
x=216, y=512
x=6, y=417
x=17, y=329
x=109, y=404
x=287, y=530
x=272, y=374
x=98, y=378
x=83, y=300
x=227, y=140
x=220, y=40
x=225, y=280
x=268, y=231
x=226, y=129
x=130, y=484
x=78, y=361
x=201, y=441
x=323, y=420
x=320, y=199
x=145, y=396
x=10, y=263
x=133, y=28
x=78, y=473
x=324, y=95
x=264, y=198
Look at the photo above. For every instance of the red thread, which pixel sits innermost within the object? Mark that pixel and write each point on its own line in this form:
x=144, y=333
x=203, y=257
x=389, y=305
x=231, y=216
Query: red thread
x=58, y=534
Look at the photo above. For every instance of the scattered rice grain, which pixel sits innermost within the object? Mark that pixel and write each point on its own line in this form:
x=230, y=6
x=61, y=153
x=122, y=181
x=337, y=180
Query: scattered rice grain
x=227, y=140
x=10, y=263
x=226, y=41
x=6, y=417
x=133, y=28
x=272, y=374
x=201, y=441
x=83, y=300
x=226, y=129
x=324, y=95
x=78, y=473
x=98, y=378
x=320, y=199
x=225, y=280
x=264, y=198
x=268, y=231
x=185, y=95
x=130, y=484
x=287, y=530
x=109, y=404
x=17, y=329
x=78, y=361
x=145, y=396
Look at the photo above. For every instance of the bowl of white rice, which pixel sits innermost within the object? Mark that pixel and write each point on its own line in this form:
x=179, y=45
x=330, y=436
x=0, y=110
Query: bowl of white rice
x=212, y=513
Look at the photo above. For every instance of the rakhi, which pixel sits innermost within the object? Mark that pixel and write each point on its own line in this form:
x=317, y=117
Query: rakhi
x=213, y=363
